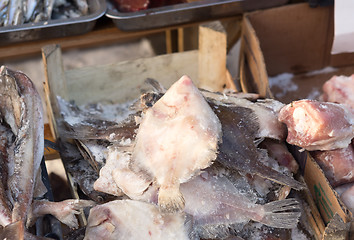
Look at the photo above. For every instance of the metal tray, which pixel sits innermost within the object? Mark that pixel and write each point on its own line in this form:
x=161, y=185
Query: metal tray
x=184, y=13
x=54, y=28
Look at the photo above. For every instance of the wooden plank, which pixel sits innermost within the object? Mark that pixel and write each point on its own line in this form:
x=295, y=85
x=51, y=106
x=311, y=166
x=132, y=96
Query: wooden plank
x=212, y=56
x=54, y=85
x=105, y=82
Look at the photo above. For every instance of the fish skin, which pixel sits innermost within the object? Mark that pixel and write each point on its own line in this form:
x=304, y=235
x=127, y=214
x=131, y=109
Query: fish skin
x=28, y=147
x=29, y=9
x=14, y=13
x=5, y=212
x=238, y=150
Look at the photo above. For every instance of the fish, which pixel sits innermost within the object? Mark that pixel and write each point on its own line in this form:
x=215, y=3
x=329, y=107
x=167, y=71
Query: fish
x=82, y=5
x=5, y=139
x=213, y=200
x=14, y=15
x=29, y=9
x=23, y=137
x=185, y=133
x=28, y=127
x=130, y=219
x=81, y=172
x=238, y=150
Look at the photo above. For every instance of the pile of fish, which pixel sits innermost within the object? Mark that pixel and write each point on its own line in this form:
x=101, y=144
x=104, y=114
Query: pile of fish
x=17, y=12
x=325, y=127
x=22, y=147
x=183, y=164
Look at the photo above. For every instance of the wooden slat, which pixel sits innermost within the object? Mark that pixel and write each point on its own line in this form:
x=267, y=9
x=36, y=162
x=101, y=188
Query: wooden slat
x=54, y=85
x=212, y=56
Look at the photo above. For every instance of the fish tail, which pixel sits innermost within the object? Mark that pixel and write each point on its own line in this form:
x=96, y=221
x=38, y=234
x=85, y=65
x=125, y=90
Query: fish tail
x=170, y=199
x=14, y=230
x=281, y=214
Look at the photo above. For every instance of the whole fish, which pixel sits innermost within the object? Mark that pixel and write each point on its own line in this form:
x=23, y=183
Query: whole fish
x=28, y=147
x=238, y=149
x=177, y=137
x=15, y=15
x=29, y=9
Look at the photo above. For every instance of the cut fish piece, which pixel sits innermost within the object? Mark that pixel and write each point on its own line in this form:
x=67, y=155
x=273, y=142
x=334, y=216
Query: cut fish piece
x=177, y=138
x=129, y=219
x=339, y=89
x=315, y=125
x=337, y=165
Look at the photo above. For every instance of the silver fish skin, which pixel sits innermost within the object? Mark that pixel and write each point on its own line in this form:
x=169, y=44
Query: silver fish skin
x=14, y=13
x=3, y=4
x=28, y=147
x=82, y=6
x=29, y=9
x=5, y=212
x=48, y=8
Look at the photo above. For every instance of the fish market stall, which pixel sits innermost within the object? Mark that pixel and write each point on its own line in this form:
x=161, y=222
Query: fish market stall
x=171, y=146
x=80, y=123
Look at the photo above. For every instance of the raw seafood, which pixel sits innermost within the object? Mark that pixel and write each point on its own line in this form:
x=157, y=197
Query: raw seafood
x=129, y=219
x=346, y=193
x=21, y=113
x=315, y=125
x=238, y=149
x=82, y=172
x=337, y=165
x=280, y=152
x=185, y=133
x=213, y=201
x=17, y=12
x=339, y=89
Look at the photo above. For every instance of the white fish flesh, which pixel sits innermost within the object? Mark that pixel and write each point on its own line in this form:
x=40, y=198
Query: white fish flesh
x=177, y=138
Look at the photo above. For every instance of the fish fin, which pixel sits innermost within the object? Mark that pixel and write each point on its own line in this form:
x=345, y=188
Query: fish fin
x=13, y=231
x=170, y=199
x=281, y=214
x=156, y=85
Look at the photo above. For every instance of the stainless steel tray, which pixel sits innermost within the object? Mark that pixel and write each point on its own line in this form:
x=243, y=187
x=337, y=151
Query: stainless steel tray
x=184, y=13
x=54, y=28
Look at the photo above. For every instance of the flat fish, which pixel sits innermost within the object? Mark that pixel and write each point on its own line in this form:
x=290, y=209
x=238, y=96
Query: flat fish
x=216, y=204
x=178, y=136
x=129, y=219
x=238, y=150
